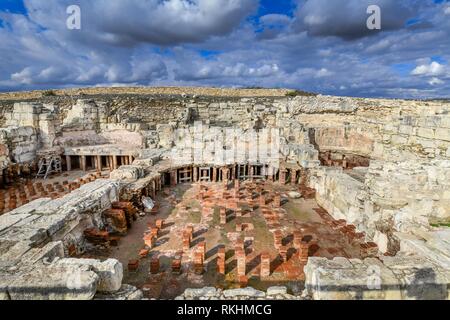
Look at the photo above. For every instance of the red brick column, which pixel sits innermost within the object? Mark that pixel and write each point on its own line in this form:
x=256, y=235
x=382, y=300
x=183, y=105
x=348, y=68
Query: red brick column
x=186, y=241
x=293, y=176
x=176, y=265
x=223, y=215
x=265, y=265
x=198, y=263
x=221, y=261
x=154, y=265
x=282, y=176
x=283, y=253
x=277, y=200
x=241, y=263
x=202, y=248
x=303, y=252
x=277, y=237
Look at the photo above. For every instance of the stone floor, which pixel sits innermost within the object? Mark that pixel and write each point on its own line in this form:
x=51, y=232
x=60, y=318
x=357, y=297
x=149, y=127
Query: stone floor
x=255, y=228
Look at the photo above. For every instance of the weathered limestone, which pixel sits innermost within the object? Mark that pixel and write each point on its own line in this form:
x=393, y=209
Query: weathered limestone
x=110, y=272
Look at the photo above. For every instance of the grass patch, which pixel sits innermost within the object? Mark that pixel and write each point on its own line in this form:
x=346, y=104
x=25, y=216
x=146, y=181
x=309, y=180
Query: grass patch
x=300, y=93
x=438, y=225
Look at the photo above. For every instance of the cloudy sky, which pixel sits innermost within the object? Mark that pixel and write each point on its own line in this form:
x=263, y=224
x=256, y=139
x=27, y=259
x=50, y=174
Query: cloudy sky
x=322, y=46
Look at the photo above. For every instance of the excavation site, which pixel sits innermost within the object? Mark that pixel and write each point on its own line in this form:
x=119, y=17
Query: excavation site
x=222, y=194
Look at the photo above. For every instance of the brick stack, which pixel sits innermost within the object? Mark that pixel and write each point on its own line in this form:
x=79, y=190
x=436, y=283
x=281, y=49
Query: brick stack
x=190, y=231
x=149, y=240
x=243, y=281
x=202, y=249
x=265, y=265
x=241, y=263
x=144, y=253
x=297, y=239
x=117, y=220
x=223, y=215
x=239, y=245
x=186, y=241
x=160, y=224
x=198, y=263
x=277, y=200
x=96, y=236
x=283, y=253
x=221, y=261
x=282, y=176
x=130, y=210
x=176, y=265
x=369, y=249
x=154, y=265
x=133, y=265
x=277, y=237
x=154, y=232
x=303, y=253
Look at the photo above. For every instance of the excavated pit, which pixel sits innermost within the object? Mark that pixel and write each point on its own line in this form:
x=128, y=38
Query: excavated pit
x=255, y=226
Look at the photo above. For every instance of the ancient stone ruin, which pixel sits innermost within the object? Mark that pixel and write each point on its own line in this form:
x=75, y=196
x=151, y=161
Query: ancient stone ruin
x=216, y=196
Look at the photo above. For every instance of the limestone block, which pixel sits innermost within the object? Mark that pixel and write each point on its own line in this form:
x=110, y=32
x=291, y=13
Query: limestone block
x=55, y=282
x=244, y=292
x=426, y=133
x=273, y=291
x=127, y=173
x=126, y=292
x=443, y=134
x=110, y=272
x=202, y=292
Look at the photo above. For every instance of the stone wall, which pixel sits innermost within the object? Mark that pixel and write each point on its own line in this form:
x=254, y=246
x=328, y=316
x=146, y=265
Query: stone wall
x=387, y=197
x=378, y=129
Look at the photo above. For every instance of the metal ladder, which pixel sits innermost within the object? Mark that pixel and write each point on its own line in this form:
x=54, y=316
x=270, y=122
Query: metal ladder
x=48, y=165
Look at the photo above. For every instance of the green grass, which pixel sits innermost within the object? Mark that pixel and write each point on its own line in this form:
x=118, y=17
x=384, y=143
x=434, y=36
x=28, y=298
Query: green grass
x=296, y=93
x=437, y=225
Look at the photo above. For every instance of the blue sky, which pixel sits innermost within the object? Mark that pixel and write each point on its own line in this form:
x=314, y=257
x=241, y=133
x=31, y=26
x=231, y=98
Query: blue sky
x=322, y=46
